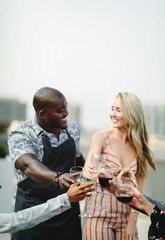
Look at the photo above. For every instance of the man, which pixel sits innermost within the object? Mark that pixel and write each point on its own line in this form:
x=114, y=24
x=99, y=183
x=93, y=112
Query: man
x=30, y=217
x=42, y=149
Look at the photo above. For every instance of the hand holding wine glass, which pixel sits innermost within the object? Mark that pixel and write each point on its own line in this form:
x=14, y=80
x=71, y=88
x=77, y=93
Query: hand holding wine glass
x=121, y=192
x=78, y=192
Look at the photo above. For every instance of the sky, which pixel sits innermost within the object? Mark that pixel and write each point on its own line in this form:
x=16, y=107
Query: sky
x=88, y=49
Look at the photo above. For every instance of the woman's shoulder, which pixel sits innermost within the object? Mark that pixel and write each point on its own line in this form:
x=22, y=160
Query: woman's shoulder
x=99, y=133
x=102, y=134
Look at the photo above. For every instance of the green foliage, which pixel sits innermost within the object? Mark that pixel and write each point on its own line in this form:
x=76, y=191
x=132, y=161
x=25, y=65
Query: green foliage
x=3, y=127
x=3, y=151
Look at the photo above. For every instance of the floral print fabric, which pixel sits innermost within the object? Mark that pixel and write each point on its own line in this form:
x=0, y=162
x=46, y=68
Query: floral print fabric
x=157, y=227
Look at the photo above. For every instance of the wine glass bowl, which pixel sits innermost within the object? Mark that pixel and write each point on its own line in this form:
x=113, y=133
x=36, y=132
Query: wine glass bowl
x=121, y=192
x=104, y=176
x=85, y=179
x=78, y=170
x=97, y=162
x=75, y=169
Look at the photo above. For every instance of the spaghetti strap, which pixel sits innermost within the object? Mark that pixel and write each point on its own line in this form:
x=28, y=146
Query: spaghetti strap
x=106, y=138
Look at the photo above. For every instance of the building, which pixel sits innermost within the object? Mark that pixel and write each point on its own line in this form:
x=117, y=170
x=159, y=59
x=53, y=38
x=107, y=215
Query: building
x=155, y=117
x=74, y=112
x=10, y=110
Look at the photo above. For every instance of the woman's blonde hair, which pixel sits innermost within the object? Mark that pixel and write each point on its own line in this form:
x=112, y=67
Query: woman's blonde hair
x=132, y=110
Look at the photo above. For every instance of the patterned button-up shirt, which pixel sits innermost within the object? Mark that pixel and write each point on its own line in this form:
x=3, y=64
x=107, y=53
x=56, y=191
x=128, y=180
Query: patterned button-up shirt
x=27, y=139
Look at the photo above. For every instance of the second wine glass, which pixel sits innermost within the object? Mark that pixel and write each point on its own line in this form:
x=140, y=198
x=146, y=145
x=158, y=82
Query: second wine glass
x=85, y=179
x=78, y=170
x=104, y=176
x=121, y=194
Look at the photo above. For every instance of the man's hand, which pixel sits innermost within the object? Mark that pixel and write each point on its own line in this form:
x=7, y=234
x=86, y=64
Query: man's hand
x=66, y=179
x=78, y=192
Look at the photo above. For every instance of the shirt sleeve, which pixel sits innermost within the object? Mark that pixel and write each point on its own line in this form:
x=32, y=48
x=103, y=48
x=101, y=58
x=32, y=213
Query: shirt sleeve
x=13, y=222
x=158, y=203
x=19, y=143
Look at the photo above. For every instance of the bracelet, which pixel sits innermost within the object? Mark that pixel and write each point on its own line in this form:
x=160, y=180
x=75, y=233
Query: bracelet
x=56, y=178
x=134, y=211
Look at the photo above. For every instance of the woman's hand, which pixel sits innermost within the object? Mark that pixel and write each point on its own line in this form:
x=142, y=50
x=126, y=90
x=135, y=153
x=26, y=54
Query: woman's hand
x=131, y=232
x=89, y=169
x=139, y=200
x=111, y=187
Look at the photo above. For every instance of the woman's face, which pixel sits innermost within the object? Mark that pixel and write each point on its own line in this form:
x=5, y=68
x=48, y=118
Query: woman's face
x=116, y=114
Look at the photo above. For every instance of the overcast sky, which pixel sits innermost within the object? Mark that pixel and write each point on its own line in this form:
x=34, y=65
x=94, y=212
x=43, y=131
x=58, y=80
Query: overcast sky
x=88, y=49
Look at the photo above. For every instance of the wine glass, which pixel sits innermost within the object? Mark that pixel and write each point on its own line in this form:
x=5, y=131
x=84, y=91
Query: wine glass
x=121, y=194
x=97, y=161
x=104, y=176
x=85, y=179
x=78, y=170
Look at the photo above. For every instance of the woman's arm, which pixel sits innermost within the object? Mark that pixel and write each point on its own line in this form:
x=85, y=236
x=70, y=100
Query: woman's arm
x=95, y=146
x=139, y=200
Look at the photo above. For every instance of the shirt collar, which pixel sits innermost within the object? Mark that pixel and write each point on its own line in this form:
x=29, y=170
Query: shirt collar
x=39, y=130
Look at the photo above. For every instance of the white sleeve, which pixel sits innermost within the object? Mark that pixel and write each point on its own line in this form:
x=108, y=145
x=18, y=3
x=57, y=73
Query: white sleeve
x=16, y=221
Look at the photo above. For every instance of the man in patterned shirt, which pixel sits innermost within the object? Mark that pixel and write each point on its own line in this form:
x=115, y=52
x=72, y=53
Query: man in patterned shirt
x=43, y=148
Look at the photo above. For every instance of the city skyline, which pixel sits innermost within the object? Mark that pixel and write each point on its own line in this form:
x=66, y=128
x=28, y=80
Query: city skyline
x=89, y=50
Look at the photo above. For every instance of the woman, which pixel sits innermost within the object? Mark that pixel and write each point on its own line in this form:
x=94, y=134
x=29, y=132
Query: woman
x=125, y=146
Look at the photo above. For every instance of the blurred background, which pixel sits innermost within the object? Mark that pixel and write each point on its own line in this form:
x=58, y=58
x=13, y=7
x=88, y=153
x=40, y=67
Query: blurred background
x=89, y=50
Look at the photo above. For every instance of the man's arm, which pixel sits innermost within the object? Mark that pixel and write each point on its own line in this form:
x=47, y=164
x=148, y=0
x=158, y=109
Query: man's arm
x=34, y=169
x=37, y=171
x=30, y=217
x=13, y=222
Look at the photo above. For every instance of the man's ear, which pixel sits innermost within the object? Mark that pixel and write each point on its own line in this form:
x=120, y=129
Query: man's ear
x=43, y=114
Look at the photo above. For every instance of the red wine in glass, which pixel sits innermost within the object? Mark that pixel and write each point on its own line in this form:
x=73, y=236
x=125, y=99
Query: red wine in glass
x=104, y=181
x=124, y=199
x=121, y=194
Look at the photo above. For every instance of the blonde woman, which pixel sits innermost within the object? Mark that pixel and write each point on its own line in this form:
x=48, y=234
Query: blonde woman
x=126, y=148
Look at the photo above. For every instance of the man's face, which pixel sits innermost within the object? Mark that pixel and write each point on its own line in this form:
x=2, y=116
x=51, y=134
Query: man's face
x=57, y=113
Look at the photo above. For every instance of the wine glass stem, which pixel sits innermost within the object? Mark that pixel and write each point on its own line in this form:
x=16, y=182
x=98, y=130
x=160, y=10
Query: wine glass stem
x=86, y=199
x=96, y=188
x=101, y=199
